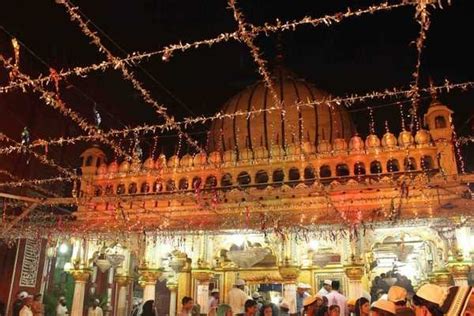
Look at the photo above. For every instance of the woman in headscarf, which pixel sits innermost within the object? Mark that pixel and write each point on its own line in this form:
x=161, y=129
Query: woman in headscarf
x=362, y=307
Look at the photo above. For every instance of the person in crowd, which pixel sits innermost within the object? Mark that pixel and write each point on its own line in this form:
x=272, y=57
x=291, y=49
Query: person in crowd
x=196, y=310
x=37, y=306
x=224, y=310
x=95, y=309
x=18, y=303
x=187, y=304
x=336, y=298
x=213, y=302
x=284, y=309
x=61, y=308
x=267, y=310
x=434, y=300
x=257, y=297
x=326, y=289
x=148, y=308
x=398, y=296
x=362, y=307
x=382, y=308
x=301, y=295
x=314, y=306
x=250, y=308
x=237, y=297
x=351, y=306
x=26, y=309
x=334, y=310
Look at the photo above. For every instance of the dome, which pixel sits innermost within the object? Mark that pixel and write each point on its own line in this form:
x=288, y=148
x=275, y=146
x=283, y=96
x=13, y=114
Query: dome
x=113, y=167
x=389, y=140
x=356, y=144
x=102, y=169
x=149, y=163
x=422, y=137
x=124, y=166
x=307, y=123
x=405, y=139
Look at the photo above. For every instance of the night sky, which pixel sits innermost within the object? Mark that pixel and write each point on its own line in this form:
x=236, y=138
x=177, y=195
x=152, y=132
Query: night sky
x=359, y=55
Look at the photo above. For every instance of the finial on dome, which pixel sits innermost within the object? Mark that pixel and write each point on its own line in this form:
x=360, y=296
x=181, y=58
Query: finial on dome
x=433, y=92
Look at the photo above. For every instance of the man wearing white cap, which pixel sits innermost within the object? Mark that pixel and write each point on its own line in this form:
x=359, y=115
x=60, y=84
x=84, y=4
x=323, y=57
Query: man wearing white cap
x=95, y=309
x=213, y=302
x=61, y=308
x=434, y=300
x=301, y=295
x=237, y=297
x=326, y=289
x=18, y=303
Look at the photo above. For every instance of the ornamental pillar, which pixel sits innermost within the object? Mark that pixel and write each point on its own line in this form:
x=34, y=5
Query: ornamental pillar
x=122, y=281
x=202, y=278
x=289, y=274
x=354, y=273
x=80, y=280
x=459, y=270
x=442, y=278
x=172, y=285
x=148, y=279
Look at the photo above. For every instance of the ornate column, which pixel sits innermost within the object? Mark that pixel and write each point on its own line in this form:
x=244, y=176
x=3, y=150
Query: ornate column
x=80, y=278
x=441, y=278
x=202, y=277
x=172, y=285
x=122, y=281
x=354, y=272
x=459, y=269
x=289, y=274
x=148, y=278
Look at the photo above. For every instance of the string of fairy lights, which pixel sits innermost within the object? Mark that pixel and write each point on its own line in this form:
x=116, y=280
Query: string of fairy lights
x=246, y=33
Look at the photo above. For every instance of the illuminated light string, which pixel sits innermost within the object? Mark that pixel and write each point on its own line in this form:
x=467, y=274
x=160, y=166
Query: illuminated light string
x=42, y=158
x=167, y=52
x=127, y=74
x=465, y=140
x=423, y=19
x=247, y=36
x=53, y=100
x=31, y=185
x=347, y=101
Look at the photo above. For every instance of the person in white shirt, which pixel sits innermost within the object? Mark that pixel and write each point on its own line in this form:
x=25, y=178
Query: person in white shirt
x=237, y=297
x=26, y=309
x=213, y=302
x=326, y=289
x=336, y=298
x=95, y=309
x=301, y=295
x=61, y=308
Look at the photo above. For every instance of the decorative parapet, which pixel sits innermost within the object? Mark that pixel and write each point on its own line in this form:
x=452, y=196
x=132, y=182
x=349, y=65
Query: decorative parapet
x=81, y=274
x=202, y=275
x=148, y=276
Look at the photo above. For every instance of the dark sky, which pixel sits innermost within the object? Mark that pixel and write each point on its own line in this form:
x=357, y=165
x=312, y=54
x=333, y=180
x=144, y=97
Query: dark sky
x=359, y=55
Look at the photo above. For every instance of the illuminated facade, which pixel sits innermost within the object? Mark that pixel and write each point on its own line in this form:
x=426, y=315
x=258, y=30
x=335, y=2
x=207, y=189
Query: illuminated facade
x=279, y=198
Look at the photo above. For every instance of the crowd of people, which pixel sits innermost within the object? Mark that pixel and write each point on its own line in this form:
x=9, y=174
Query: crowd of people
x=428, y=300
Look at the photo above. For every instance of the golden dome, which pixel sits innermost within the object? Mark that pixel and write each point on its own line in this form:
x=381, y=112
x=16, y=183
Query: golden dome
x=356, y=143
x=160, y=162
x=306, y=123
x=173, y=162
x=324, y=146
x=124, y=166
x=113, y=167
x=389, y=140
x=135, y=165
x=229, y=156
x=186, y=161
x=372, y=141
x=294, y=149
x=200, y=159
x=405, y=139
x=149, y=163
x=422, y=137
x=102, y=169
x=276, y=151
x=215, y=157
x=308, y=148
x=339, y=145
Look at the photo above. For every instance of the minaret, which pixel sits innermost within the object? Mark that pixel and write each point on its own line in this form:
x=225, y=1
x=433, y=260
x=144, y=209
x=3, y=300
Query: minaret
x=439, y=122
x=92, y=158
